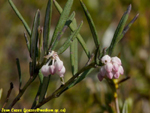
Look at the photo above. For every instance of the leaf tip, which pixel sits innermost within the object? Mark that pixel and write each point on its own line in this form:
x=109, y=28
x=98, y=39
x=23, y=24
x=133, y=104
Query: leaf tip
x=129, y=9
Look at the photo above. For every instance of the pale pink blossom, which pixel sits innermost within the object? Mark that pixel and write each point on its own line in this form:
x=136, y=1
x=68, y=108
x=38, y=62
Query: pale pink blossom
x=109, y=75
x=112, y=68
x=45, y=70
x=121, y=70
x=115, y=67
x=106, y=59
x=116, y=75
x=108, y=67
x=61, y=72
x=58, y=65
x=52, y=69
x=116, y=60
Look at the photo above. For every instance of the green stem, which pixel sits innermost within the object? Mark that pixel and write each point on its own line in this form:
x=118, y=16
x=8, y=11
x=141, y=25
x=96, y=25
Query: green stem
x=58, y=92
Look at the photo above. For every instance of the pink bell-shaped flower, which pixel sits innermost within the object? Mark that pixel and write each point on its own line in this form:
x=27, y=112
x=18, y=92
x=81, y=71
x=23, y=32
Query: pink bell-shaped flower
x=61, y=72
x=121, y=70
x=106, y=59
x=108, y=67
x=112, y=68
x=109, y=75
x=116, y=60
x=52, y=69
x=102, y=71
x=58, y=65
x=115, y=67
x=45, y=70
x=116, y=75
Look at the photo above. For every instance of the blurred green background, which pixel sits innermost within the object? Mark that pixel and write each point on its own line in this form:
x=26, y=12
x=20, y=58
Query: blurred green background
x=90, y=95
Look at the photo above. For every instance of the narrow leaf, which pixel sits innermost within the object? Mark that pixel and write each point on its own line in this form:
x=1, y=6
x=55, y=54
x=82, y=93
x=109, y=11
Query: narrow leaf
x=96, y=57
x=34, y=40
x=40, y=75
x=61, y=22
x=91, y=24
x=118, y=32
x=69, y=40
x=47, y=24
x=129, y=25
x=20, y=17
x=74, y=56
x=71, y=17
x=36, y=97
x=19, y=73
x=44, y=88
x=69, y=20
x=73, y=28
x=41, y=51
x=27, y=42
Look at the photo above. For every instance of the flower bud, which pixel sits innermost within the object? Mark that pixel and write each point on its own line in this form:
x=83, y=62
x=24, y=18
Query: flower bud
x=45, y=70
x=52, y=69
x=58, y=65
x=102, y=71
x=108, y=67
x=106, y=59
x=116, y=75
x=121, y=70
x=100, y=77
x=116, y=60
x=61, y=72
x=109, y=75
x=115, y=67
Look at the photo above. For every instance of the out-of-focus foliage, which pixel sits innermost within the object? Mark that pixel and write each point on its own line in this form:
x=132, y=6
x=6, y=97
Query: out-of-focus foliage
x=89, y=96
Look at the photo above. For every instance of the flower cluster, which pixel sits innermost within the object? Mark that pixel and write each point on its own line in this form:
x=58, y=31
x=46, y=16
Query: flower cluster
x=112, y=68
x=56, y=67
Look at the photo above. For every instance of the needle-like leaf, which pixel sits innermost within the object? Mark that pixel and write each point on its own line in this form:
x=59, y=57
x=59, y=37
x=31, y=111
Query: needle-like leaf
x=69, y=40
x=34, y=40
x=47, y=24
x=62, y=20
x=19, y=73
x=20, y=17
x=117, y=35
x=44, y=87
x=73, y=28
x=74, y=56
x=91, y=24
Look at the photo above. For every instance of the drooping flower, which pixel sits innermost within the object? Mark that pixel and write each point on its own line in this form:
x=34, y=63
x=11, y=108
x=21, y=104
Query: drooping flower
x=61, y=72
x=56, y=66
x=116, y=60
x=45, y=70
x=52, y=69
x=106, y=59
x=108, y=67
x=112, y=68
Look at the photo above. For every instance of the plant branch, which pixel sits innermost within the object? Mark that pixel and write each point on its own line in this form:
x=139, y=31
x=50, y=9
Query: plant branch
x=116, y=102
x=21, y=92
x=8, y=94
x=59, y=91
